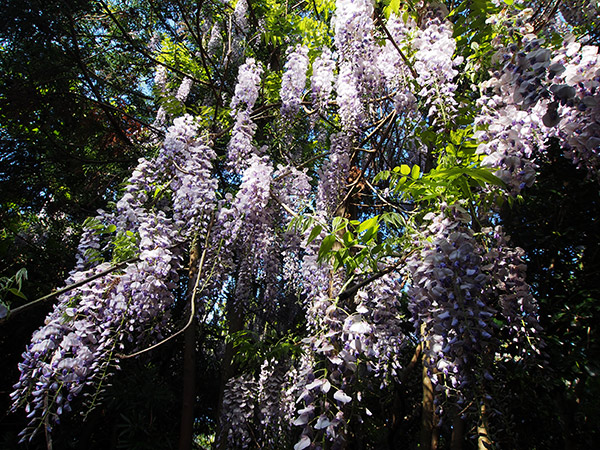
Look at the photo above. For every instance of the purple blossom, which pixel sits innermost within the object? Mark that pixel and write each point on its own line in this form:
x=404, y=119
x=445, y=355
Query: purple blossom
x=247, y=86
x=450, y=298
x=322, y=79
x=294, y=81
x=184, y=89
x=240, y=147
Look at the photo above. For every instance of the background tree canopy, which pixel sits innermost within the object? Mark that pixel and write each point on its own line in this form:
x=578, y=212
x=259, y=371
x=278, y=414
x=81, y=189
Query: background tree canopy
x=347, y=224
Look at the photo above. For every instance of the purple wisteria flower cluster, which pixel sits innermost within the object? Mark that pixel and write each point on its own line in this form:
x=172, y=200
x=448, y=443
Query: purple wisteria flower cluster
x=275, y=403
x=333, y=175
x=240, y=146
x=323, y=79
x=576, y=92
x=356, y=49
x=293, y=81
x=515, y=300
x=461, y=292
x=238, y=412
x=90, y=325
x=375, y=330
x=450, y=299
x=538, y=94
x=393, y=67
x=435, y=66
x=511, y=125
x=246, y=229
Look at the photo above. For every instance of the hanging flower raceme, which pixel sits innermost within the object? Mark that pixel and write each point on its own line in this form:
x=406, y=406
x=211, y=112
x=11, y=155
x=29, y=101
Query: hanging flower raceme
x=515, y=300
x=511, y=126
x=435, y=66
x=375, y=331
x=358, y=76
x=78, y=345
x=238, y=412
x=450, y=299
x=460, y=294
x=575, y=111
x=293, y=81
x=397, y=74
x=323, y=78
x=333, y=175
x=240, y=146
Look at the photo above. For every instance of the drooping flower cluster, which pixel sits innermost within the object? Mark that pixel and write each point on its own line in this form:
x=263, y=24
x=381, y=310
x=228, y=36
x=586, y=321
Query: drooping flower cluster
x=460, y=290
x=515, y=300
x=276, y=405
x=356, y=49
x=238, y=412
x=511, y=124
x=240, y=13
x=576, y=105
x=240, y=146
x=333, y=175
x=538, y=95
x=184, y=89
x=248, y=234
x=393, y=67
x=450, y=299
x=191, y=181
x=79, y=342
x=435, y=67
x=323, y=78
x=293, y=81
x=375, y=330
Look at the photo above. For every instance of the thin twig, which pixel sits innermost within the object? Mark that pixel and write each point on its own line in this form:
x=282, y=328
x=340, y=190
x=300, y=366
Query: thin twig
x=22, y=308
x=397, y=208
x=402, y=55
x=350, y=291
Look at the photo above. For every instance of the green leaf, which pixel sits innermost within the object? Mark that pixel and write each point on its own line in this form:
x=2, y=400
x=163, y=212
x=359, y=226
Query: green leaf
x=326, y=246
x=404, y=169
x=338, y=223
x=369, y=223
x=485, y=176
x=415, y=172
x=314, y=233
x=348, y=239
x=17, y=293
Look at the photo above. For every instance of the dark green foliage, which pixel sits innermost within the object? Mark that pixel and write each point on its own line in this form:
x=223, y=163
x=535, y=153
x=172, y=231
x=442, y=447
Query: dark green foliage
x=557, y=225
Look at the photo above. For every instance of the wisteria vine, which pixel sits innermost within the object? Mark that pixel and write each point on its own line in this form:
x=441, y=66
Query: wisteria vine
x=363, y=271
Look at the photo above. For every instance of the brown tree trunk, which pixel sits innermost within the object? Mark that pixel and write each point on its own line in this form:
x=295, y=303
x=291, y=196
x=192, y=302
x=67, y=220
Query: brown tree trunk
x=458, y=433
x=235, y=323
x=483, y=439
x=186, y=430
x=428, y=432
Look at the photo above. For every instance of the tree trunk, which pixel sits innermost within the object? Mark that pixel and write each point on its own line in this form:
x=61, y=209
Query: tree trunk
x=235, y=323
x=428, y=439
x=483, y=439
x=186, y=430
x=458, y=433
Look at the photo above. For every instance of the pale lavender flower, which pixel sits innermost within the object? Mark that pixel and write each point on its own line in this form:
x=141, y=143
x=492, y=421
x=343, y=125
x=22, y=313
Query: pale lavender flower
x=240, y=13
x=293, y=81
x=333, y=175
x=241, y=147
x=322, y=79
x=247, y=86
x=184, y=89
x=160, y=78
